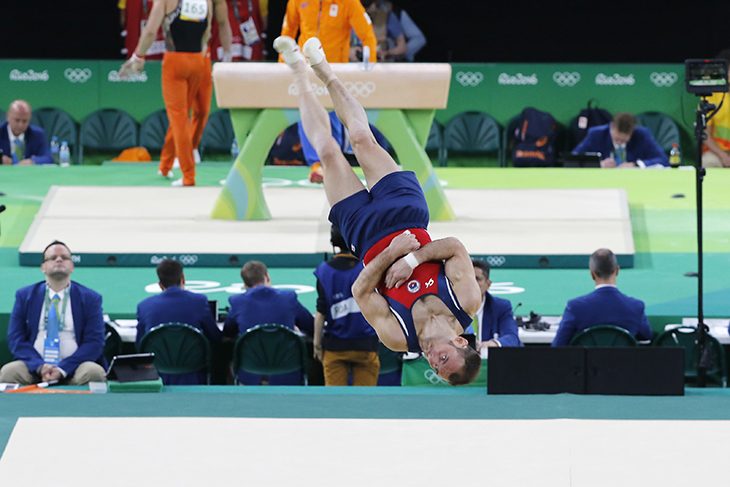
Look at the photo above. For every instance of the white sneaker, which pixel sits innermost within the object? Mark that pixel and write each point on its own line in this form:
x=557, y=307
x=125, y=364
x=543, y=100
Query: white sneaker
x=289, y=50
x=169, y=175
x=177, y=183
x=313, y=51
x=196, y=156
x=176, y=163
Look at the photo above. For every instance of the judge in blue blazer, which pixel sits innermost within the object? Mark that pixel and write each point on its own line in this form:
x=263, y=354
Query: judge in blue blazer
x=497, y=325
x=622, y=143
x=176, y=305
x=262, y=304
x=32, y=142
x=81, y=327
x=606, y=305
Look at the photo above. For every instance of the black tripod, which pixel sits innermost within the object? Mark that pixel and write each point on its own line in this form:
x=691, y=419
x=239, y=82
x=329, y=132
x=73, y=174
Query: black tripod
x=705, y=111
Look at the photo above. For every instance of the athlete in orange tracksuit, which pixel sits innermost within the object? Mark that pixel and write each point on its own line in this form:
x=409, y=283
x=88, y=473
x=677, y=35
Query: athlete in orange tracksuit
x=187, y=29
x=200, y=100
x=332, y=22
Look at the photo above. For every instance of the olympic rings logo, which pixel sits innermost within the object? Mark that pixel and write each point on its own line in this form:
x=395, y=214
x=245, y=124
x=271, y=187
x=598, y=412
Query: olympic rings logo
x=496, y=260
x=318, y=90
x=188, y=259
x=566, y=79
x=663, y=79
x=469, y=79
x=77, y=75
x=360, y=89
x=432, y=377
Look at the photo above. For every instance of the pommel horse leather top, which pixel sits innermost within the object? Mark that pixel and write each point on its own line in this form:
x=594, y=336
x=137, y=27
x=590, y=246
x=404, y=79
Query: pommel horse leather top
x=382, y=85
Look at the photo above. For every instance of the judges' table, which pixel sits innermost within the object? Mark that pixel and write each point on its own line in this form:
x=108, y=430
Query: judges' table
x=400, y=100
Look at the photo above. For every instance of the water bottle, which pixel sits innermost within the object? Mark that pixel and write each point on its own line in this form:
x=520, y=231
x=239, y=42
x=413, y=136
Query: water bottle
x=64, y=155
x=234, y=150
x=55, y=148
x=675, y=157
x=366, y=58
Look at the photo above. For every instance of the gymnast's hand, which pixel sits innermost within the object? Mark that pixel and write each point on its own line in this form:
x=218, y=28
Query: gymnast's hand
x=131, y=66
x=400, y=271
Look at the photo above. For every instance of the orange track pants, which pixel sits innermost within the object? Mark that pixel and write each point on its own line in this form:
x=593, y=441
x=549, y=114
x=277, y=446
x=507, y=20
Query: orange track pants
x=182, y=75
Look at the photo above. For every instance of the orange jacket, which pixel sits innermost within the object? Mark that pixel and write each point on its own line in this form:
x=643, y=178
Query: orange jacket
x=331, y=21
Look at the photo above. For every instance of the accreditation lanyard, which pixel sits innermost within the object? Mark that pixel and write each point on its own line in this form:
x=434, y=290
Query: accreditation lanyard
x=47, y=306
x=248, y=27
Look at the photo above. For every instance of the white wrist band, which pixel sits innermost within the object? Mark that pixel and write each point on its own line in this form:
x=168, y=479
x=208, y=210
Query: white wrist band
x=411, y=260
x=136, y=58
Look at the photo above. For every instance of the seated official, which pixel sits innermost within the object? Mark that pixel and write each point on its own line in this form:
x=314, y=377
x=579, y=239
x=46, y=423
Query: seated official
x=20, y=142
x=176, y=305
x=606, y=305
x=495, y=322
x=261, y=304
x=56, y=330
x=622, y=143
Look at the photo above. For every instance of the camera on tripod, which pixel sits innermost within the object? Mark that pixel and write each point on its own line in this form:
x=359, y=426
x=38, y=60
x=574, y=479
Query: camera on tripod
x=703, y=77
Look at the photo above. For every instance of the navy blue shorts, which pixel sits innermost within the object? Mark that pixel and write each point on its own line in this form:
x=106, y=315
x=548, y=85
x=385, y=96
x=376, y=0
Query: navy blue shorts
x=395, y=203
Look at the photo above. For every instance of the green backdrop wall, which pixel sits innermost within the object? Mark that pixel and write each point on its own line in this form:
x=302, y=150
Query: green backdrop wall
x=502, y=90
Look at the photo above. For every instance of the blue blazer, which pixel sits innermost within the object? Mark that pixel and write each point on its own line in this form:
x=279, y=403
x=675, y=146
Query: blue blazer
x=641, y=146
x=36, y=145
x=498, y=319
x=265, y=304
x=175, y=304
x=88, y=326
x=604, y=306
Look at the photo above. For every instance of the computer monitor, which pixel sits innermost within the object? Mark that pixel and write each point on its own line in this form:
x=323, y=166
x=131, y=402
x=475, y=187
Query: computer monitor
x=586, y=159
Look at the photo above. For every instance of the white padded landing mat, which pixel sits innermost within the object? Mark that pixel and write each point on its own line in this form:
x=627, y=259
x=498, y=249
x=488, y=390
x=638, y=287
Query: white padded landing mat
x=154, y=221
x=363, y=452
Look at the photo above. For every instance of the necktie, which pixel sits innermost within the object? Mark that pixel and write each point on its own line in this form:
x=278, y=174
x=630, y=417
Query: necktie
x=51, y=347
x=18, y=150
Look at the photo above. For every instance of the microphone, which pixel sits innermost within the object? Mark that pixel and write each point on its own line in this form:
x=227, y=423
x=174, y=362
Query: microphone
x=514, y=311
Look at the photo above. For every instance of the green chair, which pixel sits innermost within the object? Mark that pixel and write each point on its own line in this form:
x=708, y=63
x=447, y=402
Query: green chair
x=107, y=130
x=604, y=336
x=55, y=121
x=473, y=133
x=152, y=131
x=435, y=142
x=662, y=127
x=686, y=337
x=178, y=347
x=390, y=361
x=112, y=342
x=218, y=133
x=269, y=349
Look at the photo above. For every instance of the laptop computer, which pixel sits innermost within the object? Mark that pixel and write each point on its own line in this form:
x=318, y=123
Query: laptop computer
x=134, y=367
x=586, y=159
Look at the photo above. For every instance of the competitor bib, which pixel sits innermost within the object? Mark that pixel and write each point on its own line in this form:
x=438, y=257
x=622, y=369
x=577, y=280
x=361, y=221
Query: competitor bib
x=194, y=10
